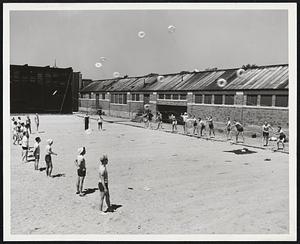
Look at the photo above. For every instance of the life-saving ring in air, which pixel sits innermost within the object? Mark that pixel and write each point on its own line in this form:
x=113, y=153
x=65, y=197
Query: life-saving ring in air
x=240, y=72
x=221, y=82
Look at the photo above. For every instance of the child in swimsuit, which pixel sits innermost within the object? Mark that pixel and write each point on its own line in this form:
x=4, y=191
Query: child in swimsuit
x=239, y=130
x=202, y=126
x=281, y=139
x=81, y=170
x=25, y=147
x=48, y=158
x=210, y=125
x=36, y=153
x=103, y=183
x=100, y=122
x=174, y=123
x=228, y=128
x=265, y=133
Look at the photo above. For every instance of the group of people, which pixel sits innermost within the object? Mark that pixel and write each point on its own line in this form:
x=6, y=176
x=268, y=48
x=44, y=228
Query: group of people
x=199, y=126
x=99, y=121
x=18, y=128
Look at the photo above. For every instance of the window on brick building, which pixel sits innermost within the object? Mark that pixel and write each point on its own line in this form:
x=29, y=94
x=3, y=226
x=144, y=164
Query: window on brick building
x=182, y=96
x=251, y=100
x=168, y=96
x=229, y=99
x=198, y=98
x=175, y=96
x=207, y=98
x=281, y=101
x=133, y=97
x=124, y=99
x=218, y=99
x=266, y=100
x=90, y=95
x=103, y=96
x=161, y=96
x=112, y=98
x=120, y=98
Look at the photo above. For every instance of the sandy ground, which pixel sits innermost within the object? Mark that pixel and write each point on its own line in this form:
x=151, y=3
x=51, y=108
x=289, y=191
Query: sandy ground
x=162, y=183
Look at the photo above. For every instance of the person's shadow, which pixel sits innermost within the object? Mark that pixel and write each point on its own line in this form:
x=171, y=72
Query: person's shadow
x=113, y=208
x=58, y=175
x=42, y=169
x=89, y=190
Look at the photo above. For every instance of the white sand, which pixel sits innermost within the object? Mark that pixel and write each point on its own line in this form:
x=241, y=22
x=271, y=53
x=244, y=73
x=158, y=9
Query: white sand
x=181, y=185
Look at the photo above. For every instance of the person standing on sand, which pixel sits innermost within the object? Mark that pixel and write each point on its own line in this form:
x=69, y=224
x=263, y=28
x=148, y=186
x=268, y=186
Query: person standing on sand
x=100, y=122
x=36, y=152
x=103, y=183
x=174, y=122
x=239, y=130
x=86, y=121
x=281, y=139
x=184, y=118
x=210, y=125
x=25, y=147
x=265, y=132
x=28, y=123
x=81, y=170
x=48, y=158
x=37, y=121
x=228, y=129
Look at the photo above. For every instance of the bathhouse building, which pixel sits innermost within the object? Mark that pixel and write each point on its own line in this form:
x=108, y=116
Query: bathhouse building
x=250, y=95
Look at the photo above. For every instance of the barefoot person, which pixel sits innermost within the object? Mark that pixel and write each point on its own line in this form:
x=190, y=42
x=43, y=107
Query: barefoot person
x=100, y=122
x=103, y=183
x=202, y=126
x=15, y=132
x=228, y=129
x=239, y=130
x=86, y=121
x=28, y=123
x=81, y=170
x=211, y=125
x=48, y=157
x=36, y=153
x=174, y=122
x=37, y=122
x=159, y=120
x=184, y=118
x=265, y=132
x=281, y=139
x=25, y=146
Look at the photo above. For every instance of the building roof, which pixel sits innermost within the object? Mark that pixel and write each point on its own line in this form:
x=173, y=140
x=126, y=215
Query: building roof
x=256, y=78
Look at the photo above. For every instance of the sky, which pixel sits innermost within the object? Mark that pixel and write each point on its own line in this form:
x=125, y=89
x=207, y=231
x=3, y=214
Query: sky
x=202, y=39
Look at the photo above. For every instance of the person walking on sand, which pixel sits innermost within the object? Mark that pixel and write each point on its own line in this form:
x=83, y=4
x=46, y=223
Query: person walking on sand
x=184, y=118
x=48, y=158
x=239, y=130
x=100, y=122
x=281, y=139
x=211, y=126
x=25, y=147
x=159, y=120
x=265, y=132
x=28, y=123
x=103, y=183
x=86, y=121
x=37, y=121
x=174, y=122
x=81, y=170
x=36, y=152
x=228, y=129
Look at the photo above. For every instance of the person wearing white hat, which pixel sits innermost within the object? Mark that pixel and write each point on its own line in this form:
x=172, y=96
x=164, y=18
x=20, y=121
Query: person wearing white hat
x=48, y=158
x=184, y=117
x=81, y=170
x=103, y=183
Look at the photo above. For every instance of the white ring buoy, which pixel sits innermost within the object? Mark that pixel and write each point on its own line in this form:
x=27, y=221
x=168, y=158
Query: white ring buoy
x=240, y=72
x=98, y=65
x=141, y=34
x=221, y=82
x=116, y=74
x=146, y=106
x=171, y=28
x=160, y=78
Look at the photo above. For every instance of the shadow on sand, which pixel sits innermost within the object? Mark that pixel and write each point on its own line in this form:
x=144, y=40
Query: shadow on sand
x=58, y=175
x=89, y=190
x=42, y=169
x=241, y=151
x=113, y=208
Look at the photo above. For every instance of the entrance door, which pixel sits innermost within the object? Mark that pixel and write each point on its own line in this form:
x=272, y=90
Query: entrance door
x=146, y=99
x=97, y=101
x=167, y=110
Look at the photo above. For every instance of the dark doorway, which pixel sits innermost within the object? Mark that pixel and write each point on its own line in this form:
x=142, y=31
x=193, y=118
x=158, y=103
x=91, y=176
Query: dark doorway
x=146, y=98
x=97, y=101
x=167, y=110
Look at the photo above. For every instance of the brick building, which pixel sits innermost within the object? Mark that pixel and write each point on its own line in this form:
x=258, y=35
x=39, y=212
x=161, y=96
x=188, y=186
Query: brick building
x=43, y=89
x=251, y=96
